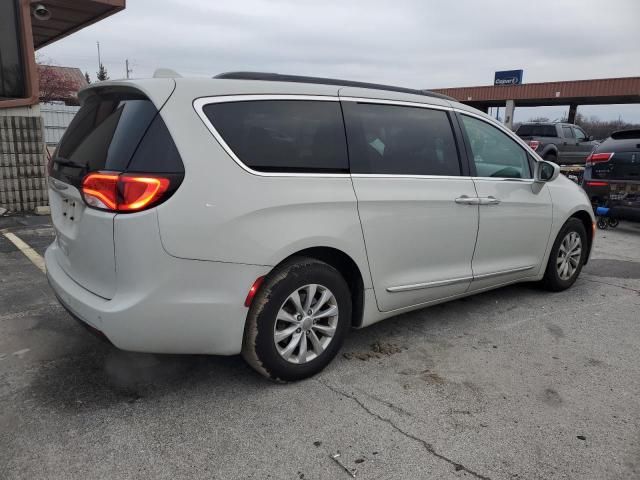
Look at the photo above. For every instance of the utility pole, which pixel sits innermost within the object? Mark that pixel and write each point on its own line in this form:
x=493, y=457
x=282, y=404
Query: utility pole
x=126, y=62
x=99, y=61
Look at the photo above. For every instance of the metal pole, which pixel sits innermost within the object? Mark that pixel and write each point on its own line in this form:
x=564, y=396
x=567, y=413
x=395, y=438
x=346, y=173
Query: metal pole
x=99, y=61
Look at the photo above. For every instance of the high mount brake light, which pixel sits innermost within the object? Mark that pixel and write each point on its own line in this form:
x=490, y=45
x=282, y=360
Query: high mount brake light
x=126, y=192
x=598, y=158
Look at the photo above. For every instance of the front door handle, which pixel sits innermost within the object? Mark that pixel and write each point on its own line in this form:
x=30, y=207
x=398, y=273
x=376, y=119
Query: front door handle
x=466, y=200
x=490, y=200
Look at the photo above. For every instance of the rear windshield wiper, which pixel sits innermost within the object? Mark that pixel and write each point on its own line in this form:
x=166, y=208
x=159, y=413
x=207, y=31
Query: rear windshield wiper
x=68, y=163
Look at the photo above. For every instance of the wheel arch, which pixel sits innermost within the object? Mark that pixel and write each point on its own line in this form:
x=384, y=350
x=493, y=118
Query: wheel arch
x=347, y=267
x=586, y=220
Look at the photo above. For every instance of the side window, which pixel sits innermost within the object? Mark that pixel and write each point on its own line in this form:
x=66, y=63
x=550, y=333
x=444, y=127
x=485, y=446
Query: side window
x=283, y=135
x=580, y=136
x=494, y=153
x=397, y=140
x=567, y=132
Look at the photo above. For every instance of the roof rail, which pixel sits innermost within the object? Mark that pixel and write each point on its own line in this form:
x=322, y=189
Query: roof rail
x=277, y=77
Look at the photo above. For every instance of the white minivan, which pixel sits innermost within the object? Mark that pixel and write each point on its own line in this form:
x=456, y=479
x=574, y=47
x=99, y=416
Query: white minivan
x=268, y=215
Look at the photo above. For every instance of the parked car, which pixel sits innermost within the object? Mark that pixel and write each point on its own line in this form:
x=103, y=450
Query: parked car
x=562, y=143
x=267, y=215
x=612, y=175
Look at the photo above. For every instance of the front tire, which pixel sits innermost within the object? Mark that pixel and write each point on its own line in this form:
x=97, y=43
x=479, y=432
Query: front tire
x=298, y=320
x=567, y=256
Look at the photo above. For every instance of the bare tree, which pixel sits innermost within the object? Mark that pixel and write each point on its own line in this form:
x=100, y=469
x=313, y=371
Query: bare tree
x=54, y=86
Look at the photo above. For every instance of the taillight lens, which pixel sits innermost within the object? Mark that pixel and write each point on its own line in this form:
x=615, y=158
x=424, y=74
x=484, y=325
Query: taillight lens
x=125, y=192
x=534, y=144
x=598, y=158
x=596, y=184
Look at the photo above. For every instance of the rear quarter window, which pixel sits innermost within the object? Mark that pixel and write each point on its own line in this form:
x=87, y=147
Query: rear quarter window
x=283, y=135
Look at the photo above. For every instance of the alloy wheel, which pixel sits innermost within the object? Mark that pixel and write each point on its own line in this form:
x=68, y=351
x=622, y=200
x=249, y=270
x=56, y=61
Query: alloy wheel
x=306, y=323
x=569, y=255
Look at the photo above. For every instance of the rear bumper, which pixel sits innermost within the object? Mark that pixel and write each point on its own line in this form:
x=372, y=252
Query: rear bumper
x=181, y=306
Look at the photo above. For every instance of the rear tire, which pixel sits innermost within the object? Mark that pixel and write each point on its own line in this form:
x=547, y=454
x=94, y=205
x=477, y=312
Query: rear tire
x=297, y=321
x=567, y=256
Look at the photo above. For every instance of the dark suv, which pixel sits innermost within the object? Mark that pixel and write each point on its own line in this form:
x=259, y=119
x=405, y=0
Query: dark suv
x=612, y=174
x=562, y=143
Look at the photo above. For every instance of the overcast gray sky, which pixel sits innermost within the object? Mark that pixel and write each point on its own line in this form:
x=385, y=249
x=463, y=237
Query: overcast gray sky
x=413, y=43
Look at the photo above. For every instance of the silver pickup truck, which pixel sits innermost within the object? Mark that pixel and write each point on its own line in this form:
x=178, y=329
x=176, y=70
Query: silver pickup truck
x=561, y=143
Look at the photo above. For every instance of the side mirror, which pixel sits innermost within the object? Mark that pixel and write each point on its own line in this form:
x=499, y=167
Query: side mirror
x=546, y=171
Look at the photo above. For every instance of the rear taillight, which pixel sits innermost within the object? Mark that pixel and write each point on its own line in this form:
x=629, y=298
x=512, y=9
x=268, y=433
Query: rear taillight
x=534, y=144
x=126, y=192
x=591, y=183
x=598, y=158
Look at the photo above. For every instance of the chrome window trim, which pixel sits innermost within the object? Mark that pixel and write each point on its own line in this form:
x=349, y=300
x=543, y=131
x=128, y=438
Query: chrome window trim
x=454, y=281
x=200, y=103
x=424, y=177
x=502, y=179
x=399, y=103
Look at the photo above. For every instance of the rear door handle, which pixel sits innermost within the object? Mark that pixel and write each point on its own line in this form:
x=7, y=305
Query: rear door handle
x=466, y=200
x=490, y=200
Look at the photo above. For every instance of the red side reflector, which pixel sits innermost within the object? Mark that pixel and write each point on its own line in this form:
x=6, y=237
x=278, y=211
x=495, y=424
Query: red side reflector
x=253, y=290
x=596, y=184
x=534, y=144
x=598, y=158
x=122, y=192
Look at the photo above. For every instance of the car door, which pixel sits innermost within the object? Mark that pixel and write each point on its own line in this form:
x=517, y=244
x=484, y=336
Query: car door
x=567, y=149
x=583, y=145
x=407, y=174
x=514, y=211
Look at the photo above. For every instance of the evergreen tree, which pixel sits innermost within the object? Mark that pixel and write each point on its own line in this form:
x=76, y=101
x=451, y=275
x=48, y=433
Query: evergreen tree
x=102, y=74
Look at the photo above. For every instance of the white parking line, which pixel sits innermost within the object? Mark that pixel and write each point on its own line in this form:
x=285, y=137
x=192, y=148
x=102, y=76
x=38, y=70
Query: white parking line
x=29, y=252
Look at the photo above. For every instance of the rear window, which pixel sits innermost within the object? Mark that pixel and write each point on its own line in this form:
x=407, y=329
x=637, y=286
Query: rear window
x=536, y=131
x=283, y=135
x=117, y=131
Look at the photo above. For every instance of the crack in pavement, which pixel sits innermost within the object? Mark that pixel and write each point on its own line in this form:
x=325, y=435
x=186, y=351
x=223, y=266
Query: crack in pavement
x=427, y=446
x=613, y=285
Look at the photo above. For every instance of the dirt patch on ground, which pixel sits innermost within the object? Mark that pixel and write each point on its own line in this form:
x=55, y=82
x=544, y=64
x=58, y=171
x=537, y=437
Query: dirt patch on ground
x=378, y=350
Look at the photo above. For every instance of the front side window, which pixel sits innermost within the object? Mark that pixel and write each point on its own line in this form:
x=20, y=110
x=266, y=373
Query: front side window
x=283, y=135
x=398, y=140
x=567, y=132
x=494, y=153
x=580, y=135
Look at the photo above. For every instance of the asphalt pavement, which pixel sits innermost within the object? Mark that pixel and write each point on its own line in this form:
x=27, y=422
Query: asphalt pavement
x=516, y=383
